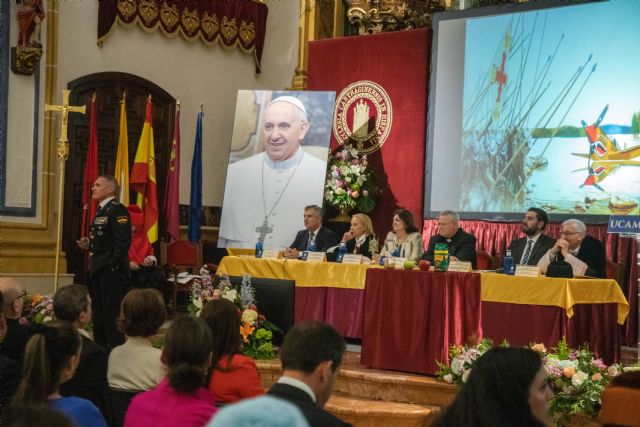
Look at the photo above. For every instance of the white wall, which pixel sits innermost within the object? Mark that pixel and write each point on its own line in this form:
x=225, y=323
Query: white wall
x=190, y=71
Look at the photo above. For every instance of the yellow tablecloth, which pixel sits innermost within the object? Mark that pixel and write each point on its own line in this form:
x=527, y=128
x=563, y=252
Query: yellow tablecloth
x=306, y=274
x=559, y=292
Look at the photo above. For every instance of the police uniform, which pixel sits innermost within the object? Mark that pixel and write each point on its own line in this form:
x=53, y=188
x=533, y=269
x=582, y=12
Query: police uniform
x=109, y=269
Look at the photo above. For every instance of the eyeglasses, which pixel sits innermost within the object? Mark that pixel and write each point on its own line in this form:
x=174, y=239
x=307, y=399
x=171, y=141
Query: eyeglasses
x=22, y=295
x=569, y=233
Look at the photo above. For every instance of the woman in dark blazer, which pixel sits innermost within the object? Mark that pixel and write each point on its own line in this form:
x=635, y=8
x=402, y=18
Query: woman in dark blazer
x=359, y=235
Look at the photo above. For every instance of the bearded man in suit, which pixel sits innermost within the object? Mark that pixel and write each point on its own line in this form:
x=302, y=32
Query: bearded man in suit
x=529, y=249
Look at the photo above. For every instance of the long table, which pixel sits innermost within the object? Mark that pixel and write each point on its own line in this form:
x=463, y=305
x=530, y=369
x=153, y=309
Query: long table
x=326, y=291
x=412, y=317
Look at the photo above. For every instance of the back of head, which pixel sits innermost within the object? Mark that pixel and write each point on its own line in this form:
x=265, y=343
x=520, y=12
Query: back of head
x=222, y=318
x=47, y=354
x=34, y=415
x=263, y=411
x=142, y=313
x=70, y=301
x=308, y=344
x=187, y=353
x=497, y=391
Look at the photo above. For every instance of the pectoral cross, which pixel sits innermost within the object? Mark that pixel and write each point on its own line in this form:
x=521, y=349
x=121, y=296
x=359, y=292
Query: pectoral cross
x=63, y=153
x=264, y=230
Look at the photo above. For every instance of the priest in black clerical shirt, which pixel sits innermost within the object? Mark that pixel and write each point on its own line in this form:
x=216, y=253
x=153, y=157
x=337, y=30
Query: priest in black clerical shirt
x=462, y=245
x=314, y=234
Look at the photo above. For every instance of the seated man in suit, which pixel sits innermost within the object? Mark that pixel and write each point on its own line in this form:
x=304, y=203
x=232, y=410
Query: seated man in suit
x=462, y=245
x=528, y=250
x=585, y=254
x=18, y=334
x=73, y=304
x=314, y=234
x=311, y=355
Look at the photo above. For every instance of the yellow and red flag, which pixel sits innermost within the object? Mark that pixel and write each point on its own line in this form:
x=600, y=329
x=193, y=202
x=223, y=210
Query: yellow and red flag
x=143, y=178
x=90, y=206
x=122, y=158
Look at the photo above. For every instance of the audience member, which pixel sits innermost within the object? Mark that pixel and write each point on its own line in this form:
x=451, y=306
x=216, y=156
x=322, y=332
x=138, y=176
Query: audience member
x=263, y=411
x=17, y=333
x=619, y=401
x=73, y=304
x=34, y=415
x=233, y=376
x=9, y=369
x=180, y=399
x=359, y=235
x=404, y=241
x=507, y=387
x=462, y=245
x=314, y=234
x=136, y=364
x=142, y=261
x=51, y=358
x=528, y=250
x=585, y=254
x=311, y=354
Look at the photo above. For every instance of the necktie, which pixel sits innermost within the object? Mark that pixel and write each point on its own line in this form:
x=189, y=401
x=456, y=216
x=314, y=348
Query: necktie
x=310, y=240
x=527, y=252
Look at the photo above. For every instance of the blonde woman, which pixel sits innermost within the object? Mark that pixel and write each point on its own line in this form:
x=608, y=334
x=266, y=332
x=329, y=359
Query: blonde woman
x=359, y=235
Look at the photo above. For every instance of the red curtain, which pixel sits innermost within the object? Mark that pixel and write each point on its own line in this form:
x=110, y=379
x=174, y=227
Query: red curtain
x=399, y=62
x=494, y=237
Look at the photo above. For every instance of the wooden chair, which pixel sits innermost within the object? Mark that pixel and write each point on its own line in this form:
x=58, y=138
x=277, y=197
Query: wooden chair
x=484, y=261
x=616, y=271
x=177, y=257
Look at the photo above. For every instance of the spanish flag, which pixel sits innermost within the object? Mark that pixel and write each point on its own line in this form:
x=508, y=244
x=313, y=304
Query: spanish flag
x=122, y=158
x=143, y=178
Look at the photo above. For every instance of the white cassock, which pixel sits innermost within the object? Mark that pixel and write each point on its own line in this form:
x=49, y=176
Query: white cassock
x=252, y=190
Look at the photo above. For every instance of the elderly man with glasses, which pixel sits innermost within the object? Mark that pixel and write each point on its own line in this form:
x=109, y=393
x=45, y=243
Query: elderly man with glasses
x=17, y=335
x=585, y=254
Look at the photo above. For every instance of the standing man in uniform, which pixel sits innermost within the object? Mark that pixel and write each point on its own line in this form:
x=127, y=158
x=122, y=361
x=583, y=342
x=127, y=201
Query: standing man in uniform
x=109, y=243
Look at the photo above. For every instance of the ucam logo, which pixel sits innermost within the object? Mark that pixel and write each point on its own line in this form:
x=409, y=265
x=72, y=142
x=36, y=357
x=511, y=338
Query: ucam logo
x=624, y=224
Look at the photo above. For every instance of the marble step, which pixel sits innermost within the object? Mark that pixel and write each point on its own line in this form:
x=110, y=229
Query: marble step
x=370, y=413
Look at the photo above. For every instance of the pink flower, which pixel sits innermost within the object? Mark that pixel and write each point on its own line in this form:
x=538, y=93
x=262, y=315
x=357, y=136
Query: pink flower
x=569, y=371
x=599, y=364
x=23, y=321
x=365, y=193
x=355, y=194
x=596, y=377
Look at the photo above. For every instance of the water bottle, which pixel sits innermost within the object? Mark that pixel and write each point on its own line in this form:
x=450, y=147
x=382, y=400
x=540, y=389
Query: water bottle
x=508, y=266
x=382, y=260
x=259, y=249
x=342, y=249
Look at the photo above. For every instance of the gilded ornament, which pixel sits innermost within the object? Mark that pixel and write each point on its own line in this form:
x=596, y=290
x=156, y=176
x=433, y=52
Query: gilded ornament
x=374, y=16
x=62, y=150
x=25, y=60
x=210, y=24
x=229, y=28
x=148, y=10
x=169, y=15
x=190, y=21
x=127, y=8
x=247, y=31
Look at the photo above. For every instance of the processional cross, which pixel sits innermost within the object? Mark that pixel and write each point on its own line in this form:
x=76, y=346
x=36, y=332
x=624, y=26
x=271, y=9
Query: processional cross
x=63, y=153
x=264, y=230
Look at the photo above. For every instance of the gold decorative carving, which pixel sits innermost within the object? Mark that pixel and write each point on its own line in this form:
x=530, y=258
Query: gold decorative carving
x=229, y=28
x=247, y=31
x=25, y=60
x=148, y=10
x=375, y=16
x=169, y=15
x=190, y=21
x=127, y=8
x=210, y=24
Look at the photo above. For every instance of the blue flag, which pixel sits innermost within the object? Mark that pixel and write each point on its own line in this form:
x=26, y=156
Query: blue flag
x=195, y=202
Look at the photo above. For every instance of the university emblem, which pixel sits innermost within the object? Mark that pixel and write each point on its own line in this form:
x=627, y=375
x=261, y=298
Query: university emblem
x=363, y=116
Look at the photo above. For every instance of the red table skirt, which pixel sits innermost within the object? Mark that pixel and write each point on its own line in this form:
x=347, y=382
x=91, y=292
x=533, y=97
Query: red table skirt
x=341, y=308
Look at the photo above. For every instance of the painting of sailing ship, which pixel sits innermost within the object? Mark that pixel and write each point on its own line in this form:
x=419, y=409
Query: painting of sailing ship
x=551, y=108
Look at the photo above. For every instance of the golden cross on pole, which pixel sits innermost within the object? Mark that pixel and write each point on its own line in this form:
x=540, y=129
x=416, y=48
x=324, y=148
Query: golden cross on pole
x=63, y=153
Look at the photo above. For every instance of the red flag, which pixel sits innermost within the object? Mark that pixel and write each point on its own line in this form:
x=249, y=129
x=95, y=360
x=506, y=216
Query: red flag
x=143, y=178
x=172, y=201
x=90, y=206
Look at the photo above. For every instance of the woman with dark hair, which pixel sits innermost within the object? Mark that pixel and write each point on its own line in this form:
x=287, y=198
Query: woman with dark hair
x=51, y=358
x=233, y=376
x=180, y=399
x=136, y=365
x=507, y=387
x=404, y=240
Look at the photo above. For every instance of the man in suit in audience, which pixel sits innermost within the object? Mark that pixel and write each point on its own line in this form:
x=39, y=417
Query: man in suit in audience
x=313, y=234
x=585, y=254
x=73, y=304
x=17, y=334
x=311, y=354
x=462, y=245
x=528, y=250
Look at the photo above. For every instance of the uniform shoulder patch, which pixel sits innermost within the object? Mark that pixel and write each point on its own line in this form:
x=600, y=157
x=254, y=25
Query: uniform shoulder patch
x=122, y=219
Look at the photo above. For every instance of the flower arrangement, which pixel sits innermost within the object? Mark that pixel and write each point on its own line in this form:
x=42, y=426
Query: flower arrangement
x=576, y=377
x=350, y=182
x=255, y=329
x=37, y=308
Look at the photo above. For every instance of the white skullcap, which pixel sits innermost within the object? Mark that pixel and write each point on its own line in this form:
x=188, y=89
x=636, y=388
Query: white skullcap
x=293, y=101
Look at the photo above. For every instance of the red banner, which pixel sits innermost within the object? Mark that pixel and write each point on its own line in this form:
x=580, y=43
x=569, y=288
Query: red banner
x=240, y=23
x=396, y=65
